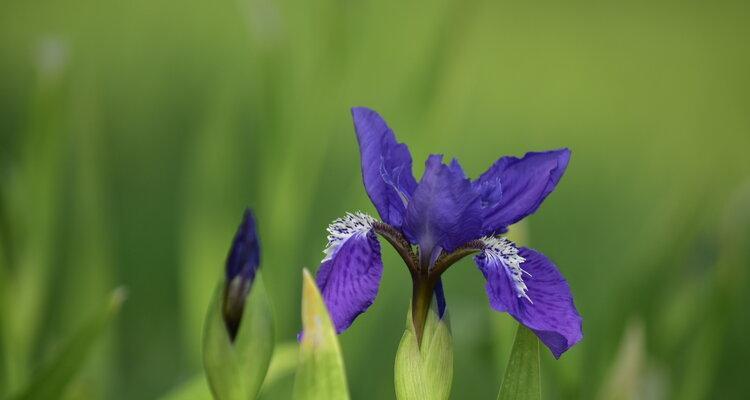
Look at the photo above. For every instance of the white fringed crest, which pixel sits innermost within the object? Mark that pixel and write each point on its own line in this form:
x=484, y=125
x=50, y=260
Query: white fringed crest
x=502, y=251
x=340, y=230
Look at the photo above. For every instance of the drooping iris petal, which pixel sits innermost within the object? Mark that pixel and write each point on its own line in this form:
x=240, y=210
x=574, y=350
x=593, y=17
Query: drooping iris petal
x=528, y=286
x=445, y=210
x=513, y=188
x=349, y=277
x=386, y=166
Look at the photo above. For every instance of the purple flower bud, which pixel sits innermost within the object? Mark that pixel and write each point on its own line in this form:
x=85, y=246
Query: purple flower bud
x=242, y=264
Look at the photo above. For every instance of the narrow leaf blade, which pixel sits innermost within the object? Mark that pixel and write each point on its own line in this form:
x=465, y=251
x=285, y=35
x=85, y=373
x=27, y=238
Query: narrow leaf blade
x=320, y=373
x=54, y=376
x=193, y=389
x=283, y=363
x=522, y=379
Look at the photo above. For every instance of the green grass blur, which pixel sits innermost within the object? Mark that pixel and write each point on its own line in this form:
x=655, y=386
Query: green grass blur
x=133, y=134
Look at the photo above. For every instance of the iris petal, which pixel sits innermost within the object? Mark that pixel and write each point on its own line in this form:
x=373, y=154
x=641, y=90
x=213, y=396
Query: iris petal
x=349, y=277
x=386, y=166
x=520, y=185
x=546, y=307
x=445, y=210
x=440, y=298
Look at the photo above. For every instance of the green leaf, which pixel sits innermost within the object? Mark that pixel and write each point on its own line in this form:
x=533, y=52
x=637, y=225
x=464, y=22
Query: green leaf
x=194, y=389
x=625, y=378
x=283, y=363
x=54, y=376
x=522, y=381
x=320, y=373
x=426, y=372
x=235, y=370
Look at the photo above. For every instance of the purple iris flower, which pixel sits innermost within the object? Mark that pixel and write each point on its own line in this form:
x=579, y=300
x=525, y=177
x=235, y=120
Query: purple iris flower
x=437, y=221
x=242, y=264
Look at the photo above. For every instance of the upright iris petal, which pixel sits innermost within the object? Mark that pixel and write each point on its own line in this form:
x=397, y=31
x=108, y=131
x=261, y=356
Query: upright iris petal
x=242, y=264
x=349, y=277
x=445, y=211
x=513, y=188
x=386, y=166
x=528, y=286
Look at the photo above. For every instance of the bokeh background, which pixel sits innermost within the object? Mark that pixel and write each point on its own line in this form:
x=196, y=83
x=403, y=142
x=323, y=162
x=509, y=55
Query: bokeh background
x=133, y=134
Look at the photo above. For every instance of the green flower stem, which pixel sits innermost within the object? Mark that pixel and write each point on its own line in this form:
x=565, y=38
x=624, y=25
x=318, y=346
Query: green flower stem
x=421, y=299
x=423, y=275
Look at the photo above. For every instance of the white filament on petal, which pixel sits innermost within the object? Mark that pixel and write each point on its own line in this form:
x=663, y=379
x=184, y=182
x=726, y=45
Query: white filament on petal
x=502, y=251
x=340, y=230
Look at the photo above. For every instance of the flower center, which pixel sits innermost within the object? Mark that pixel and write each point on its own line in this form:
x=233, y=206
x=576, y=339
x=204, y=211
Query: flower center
x=502, y=251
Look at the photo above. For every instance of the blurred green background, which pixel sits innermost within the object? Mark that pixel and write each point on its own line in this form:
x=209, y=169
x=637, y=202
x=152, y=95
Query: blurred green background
x=133, y=134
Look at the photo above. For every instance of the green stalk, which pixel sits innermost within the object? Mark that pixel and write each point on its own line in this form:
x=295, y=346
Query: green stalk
x=421, y=299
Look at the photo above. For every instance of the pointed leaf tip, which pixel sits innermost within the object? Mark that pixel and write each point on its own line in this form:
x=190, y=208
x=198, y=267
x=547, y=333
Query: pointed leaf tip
x=320, y=373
